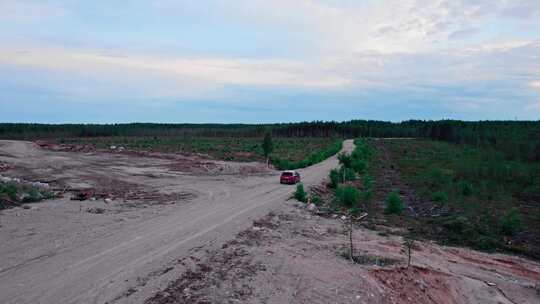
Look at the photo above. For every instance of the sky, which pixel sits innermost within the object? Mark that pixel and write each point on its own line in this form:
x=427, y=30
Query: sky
x=260, y=61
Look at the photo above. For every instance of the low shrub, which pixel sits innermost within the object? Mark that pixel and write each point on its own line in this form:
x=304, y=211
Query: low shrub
x=300, y=194
x=511, y=222
x=9, y=190
x=347, y=196
x=335, y=178
x=32, y=196
x=348, y=174
x=394, y=204
x=317, y=200
x=465, y=188
x=354, y=211
x=440, y=196
x=486, y=242
x=12, y=193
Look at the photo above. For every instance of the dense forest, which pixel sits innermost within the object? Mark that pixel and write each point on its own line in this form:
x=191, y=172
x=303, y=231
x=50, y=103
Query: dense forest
x=516, y=139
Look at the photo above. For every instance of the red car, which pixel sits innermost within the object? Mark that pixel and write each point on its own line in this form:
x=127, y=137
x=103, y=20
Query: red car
x=289, y=177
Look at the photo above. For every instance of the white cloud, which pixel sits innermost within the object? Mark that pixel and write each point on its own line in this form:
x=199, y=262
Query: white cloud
x=200, y=73
x=535, y=84
x=393, y=26
x=366, y=70
x=419, y=46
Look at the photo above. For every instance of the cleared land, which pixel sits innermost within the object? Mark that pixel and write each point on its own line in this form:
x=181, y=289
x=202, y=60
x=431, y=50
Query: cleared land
x=188, y=229
x=60, y=253
x=294, y=256
x=292, y=149
x=467, y=196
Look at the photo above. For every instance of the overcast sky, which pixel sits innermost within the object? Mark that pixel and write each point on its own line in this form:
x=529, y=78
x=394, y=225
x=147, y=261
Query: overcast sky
x=268, y=61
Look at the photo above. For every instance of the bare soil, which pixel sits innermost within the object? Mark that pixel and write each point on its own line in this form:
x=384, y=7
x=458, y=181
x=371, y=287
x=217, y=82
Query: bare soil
x=183, y=229
x=294, y=256
x=150, y=210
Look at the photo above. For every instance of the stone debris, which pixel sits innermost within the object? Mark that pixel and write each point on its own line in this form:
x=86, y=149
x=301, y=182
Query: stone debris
x=96, y=210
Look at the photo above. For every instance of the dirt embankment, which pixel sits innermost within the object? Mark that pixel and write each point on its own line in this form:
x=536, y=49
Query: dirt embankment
x=296, y=257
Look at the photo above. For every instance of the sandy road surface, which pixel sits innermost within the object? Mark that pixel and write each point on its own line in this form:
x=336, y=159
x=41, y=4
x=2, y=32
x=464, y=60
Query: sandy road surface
x=61, y=254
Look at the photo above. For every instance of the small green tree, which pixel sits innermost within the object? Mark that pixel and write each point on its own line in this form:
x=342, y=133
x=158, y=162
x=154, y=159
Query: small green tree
x=335, y=178
x=345, y=160
x=394, y=204
x=348, y=174
x=267, y=146
x=300, y=194
x=348, y=196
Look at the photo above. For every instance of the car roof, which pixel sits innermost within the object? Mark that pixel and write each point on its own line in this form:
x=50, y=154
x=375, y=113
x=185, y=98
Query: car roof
x=289, y=171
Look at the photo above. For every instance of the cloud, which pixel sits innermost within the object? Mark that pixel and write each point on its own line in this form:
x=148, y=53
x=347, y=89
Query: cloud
x=535, y=84
x=462, y=34
x=194, y=75
x=509, y=61
x=393, y=26
x=458, y=55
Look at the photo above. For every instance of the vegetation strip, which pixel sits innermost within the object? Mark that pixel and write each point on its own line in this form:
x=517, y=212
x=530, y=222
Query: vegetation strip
x=515, y=139
x=471, y=196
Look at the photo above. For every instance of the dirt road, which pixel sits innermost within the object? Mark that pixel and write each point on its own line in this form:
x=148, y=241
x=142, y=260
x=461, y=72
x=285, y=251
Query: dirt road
x=59, y=253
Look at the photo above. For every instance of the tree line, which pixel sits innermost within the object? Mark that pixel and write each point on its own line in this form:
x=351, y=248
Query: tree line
x=519, y=140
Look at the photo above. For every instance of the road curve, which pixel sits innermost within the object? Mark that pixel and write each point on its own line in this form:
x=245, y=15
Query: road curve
x=101, y=269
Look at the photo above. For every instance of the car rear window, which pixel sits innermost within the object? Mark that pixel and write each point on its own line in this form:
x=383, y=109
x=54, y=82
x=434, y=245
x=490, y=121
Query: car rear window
x=286, y=174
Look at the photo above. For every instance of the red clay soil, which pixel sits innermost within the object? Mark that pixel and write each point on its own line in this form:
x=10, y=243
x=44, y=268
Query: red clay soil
x=415, y=285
